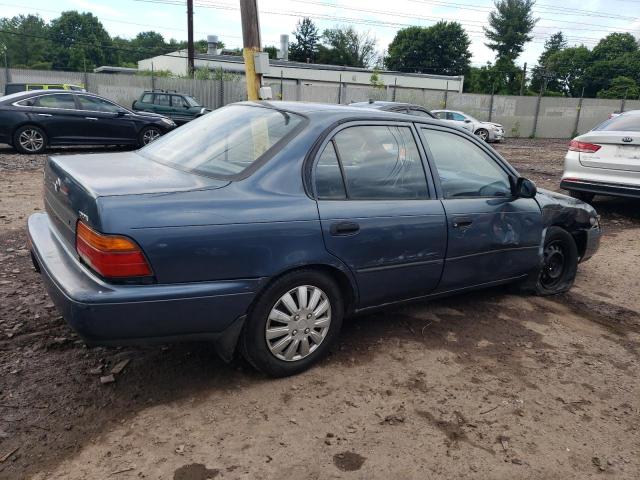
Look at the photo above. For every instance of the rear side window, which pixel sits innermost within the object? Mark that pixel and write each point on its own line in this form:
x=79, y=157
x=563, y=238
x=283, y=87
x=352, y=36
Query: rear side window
x=97, y=104
x=381, y=162
x=329, y=184
x=441, y=115
x=621, y=123
x=60, y=100
x=147, y=98
x=162, y=100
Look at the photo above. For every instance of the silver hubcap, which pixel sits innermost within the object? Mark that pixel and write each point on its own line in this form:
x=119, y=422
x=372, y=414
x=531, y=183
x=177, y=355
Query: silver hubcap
x=483, y=134
x=31, y=140
x=150, y=135
x=298, y=323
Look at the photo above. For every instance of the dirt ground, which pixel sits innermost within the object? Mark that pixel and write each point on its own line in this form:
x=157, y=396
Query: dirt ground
x=482, y=386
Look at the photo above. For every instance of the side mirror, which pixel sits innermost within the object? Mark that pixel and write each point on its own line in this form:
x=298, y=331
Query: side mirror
x=467, y=121
x=524, y=188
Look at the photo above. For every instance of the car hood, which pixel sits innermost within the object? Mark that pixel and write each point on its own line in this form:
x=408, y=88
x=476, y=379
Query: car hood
x=156, y=116
x=491, y=124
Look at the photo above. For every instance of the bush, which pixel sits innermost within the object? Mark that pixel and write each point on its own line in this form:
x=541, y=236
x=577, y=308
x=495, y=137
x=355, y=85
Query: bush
x=621, y=87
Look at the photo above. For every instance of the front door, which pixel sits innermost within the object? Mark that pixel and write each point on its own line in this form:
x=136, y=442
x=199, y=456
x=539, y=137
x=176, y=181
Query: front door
x=379, y=213
x=492, y=235
x=105, y=122
x=56, y=113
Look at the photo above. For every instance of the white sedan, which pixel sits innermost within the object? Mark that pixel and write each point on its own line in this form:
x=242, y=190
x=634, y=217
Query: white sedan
x=487, y=131
x=606, y=160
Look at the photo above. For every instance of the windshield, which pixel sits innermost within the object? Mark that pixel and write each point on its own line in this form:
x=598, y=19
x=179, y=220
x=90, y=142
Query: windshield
x=225, y=142
x=192, y=102
x=621, y=123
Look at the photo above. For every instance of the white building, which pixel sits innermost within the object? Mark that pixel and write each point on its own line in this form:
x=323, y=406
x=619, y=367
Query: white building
x=305, y=73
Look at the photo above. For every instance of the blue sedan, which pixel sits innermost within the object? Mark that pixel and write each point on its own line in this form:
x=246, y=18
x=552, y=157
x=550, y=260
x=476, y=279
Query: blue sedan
x=260, y=226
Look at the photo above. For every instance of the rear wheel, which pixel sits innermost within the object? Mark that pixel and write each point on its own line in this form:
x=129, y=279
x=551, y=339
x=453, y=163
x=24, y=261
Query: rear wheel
x=30, y=139
x=293, y=323
x=584, y=196
x=560, y=263
x=148, y=135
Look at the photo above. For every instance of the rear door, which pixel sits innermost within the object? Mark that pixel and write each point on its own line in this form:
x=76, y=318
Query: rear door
x=162, y=104
x=378, y=210
x=105, y=122
x=492, y=235
x=57, y=114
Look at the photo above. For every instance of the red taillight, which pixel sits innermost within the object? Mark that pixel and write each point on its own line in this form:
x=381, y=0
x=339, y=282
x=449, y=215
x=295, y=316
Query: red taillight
x=112, y=256
x=583, y=147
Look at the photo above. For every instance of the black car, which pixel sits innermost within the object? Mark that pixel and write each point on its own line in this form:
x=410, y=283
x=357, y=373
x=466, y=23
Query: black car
x=32, y=121
x=397, y=107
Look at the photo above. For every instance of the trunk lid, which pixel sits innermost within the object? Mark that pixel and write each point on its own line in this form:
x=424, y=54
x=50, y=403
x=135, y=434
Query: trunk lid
x=619, y=150
x=73, y=184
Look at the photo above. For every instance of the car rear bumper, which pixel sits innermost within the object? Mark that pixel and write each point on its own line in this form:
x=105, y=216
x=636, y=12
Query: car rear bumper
x=107, y=314
x=601, y=188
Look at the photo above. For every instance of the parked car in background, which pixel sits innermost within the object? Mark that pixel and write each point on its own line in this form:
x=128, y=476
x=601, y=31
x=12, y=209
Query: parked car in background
x=263, y=224
x=397, y=107
x=26, y=87
x=606, y=160
x=32, y=121
x=178, y=107
x=487, y=131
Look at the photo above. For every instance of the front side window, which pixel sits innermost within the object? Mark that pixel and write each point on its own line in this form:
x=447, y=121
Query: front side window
x=441, y=115
x=177, y=101
x=60, y=100
x=381, y=162
x=465, y=170
x=457, y=117
x=97, y=104
x=225, y=142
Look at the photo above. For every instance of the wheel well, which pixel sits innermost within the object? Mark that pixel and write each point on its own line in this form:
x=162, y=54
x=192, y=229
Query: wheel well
x=28, y=124
x=341, y=279
x=580, y=237
x=481, y=128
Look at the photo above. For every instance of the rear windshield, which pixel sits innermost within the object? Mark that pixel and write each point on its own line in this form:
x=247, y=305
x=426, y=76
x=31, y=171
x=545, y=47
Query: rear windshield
x=621, y=123
x=224, y=142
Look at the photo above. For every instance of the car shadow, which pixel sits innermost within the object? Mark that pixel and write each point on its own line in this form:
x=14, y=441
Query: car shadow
x=617, y=210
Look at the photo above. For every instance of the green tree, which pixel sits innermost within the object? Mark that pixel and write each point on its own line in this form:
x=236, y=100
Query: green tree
x=345, y=46
x=26, y=40
x=614, y=46
x=79, y=40
x=442, y=48
x=599, y=73
x=621, y=87
x=271, y=50
x=554, y=44
x=569, y=67
x=510, y=27
x=307, y=41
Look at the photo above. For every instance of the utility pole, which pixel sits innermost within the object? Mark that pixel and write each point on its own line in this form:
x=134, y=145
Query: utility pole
x=524, y=78
x=190, y=50
x=251, y=45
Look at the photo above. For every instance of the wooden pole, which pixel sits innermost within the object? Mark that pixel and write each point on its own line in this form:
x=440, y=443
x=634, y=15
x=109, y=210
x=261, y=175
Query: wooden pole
x=251, y=45
x=190, y=49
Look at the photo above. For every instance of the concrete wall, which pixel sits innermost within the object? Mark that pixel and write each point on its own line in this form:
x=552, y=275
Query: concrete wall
x=557, y=116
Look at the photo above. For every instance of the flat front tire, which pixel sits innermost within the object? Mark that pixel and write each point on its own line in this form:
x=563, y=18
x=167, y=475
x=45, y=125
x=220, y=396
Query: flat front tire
x=293, y=323
x=560, y=263
x=30, y=139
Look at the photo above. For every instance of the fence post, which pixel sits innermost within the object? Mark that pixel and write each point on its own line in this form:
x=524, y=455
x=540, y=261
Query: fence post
x=86, y=81
x=395, y=86
x=281, y=85
x=575, y=128
x=493, y=91
x=340, y=90
x=153, y=78
x=221, y=89
x=624, y=100
x=446, y=95
x=298, y=90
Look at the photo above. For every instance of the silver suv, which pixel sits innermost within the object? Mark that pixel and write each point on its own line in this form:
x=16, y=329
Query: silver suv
x=606, y=160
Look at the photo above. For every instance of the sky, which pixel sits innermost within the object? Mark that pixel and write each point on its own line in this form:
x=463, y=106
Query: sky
x=582, y=21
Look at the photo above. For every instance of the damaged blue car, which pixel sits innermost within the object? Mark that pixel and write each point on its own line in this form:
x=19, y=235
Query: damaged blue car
x=261, y=225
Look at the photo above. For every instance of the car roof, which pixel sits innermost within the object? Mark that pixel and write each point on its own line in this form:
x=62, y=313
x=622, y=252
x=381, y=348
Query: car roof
x=381, y=104
x=32, y=93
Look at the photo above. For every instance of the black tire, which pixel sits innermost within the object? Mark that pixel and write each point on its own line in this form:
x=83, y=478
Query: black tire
x=253, y=343
x=148, y=134
x=560, y=263
x=30, y=140
x=483, y=134
x=584, y=196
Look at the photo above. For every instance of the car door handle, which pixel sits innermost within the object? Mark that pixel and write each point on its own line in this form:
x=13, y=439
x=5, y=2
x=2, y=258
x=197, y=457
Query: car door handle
x=44, y=114
x=344, y=228
x=90, y=118
x=462, y=222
